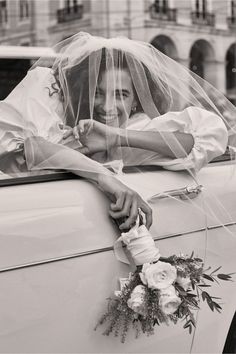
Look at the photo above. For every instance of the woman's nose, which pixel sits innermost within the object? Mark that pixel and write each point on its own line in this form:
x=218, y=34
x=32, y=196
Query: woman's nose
x=108, y=103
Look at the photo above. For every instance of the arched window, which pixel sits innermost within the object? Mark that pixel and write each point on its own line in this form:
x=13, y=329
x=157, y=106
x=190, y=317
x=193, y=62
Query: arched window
x=201, y=60
x=196, y=62
x=231, y=68
x=165, y=45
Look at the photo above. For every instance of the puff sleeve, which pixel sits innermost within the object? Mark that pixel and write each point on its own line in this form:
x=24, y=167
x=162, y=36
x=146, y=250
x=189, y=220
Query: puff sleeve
x=29, y=111
x=208, y=130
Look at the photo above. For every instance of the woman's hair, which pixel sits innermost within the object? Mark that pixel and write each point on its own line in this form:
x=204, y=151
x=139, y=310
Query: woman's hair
x=74, y=91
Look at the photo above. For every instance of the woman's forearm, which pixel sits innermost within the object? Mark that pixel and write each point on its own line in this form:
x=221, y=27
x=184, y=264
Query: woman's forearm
x=41, y=154
x=169, y=144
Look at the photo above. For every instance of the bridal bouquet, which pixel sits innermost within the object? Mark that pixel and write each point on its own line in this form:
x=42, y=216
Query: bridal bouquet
x=160, y=290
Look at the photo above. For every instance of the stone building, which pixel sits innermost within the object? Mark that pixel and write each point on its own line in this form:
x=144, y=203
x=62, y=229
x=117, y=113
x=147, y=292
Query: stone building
x=200, y=34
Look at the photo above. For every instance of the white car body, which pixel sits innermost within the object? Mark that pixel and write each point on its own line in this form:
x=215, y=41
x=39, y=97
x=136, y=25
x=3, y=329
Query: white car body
x=57, y=264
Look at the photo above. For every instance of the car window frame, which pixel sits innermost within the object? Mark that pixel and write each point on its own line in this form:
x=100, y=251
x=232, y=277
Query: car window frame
x=47, y=177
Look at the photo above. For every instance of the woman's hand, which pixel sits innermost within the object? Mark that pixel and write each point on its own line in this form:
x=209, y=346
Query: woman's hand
x=94, y=136
x=125, y=201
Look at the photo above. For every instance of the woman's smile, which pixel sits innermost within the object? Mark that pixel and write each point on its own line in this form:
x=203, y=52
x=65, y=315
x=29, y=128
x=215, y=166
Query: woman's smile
x=106, y=118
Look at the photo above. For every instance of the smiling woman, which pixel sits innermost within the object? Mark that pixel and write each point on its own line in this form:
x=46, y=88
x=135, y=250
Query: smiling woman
x=128, y=95
x=122, y=103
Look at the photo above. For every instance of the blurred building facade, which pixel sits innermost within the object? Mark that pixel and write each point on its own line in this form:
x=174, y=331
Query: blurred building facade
x=200, y=34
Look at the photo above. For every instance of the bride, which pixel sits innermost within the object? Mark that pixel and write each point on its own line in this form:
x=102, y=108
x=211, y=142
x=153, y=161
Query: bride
x=118, y=101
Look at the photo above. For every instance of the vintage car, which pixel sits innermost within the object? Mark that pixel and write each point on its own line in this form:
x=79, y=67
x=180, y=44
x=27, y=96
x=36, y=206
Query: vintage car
x=57, y=263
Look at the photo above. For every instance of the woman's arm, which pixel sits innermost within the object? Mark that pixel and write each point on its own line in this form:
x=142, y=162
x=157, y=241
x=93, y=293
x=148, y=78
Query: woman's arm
x=41, y=154
x=205, y=138
x=96, y=137
x=170, y=144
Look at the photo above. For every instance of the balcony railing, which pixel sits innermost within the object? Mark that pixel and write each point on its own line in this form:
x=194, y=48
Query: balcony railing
x=161, y=13
x=70, y=13
x=203, y=18
x=231, y=21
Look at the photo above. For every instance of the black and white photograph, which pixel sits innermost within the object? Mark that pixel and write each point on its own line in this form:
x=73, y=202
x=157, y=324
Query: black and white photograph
x=117, y=176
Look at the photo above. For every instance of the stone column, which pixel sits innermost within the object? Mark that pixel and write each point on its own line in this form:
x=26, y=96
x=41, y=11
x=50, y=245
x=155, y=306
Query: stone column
x=61, y=4
x=180, y=101
x=184, y=61
x=100, y=17
x=215, y=74
x=41, y=21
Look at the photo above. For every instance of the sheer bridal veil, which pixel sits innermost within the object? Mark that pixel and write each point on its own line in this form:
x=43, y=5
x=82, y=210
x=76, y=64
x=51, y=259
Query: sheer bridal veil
x=160, y=86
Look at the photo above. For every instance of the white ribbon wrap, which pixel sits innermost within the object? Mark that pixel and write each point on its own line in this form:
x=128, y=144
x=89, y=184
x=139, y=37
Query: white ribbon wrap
x=139, y=243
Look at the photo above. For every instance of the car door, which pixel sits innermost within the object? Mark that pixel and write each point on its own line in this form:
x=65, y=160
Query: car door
x=57, y=265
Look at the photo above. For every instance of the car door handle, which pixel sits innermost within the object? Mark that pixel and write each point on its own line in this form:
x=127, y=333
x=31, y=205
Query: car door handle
x=188, y=192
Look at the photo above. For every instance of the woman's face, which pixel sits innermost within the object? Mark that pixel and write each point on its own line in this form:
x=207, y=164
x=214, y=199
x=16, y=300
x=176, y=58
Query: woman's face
x=114, y=97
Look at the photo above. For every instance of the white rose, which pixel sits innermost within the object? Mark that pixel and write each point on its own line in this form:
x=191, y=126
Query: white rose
x=169, y=300
x=136, y=300
x=159, y=275
x=184, y=282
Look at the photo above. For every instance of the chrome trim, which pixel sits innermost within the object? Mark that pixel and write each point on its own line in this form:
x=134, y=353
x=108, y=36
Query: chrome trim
x=56, y=259
x=105, y=249
x=188, y=192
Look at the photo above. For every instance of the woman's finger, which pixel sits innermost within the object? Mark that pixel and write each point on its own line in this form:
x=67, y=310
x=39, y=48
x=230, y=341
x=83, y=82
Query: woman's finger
x=124, y=210
x=130, y=221
x=85, y=126
x=67, y=133
x=81, y=126
x=118, y=205
x=76, y=132
x=83, y=150
x=90, y=125
x=148, y=214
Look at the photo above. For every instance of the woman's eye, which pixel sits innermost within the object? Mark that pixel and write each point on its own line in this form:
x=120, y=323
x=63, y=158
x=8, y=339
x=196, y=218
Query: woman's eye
x=121, y=94
x=98, y=93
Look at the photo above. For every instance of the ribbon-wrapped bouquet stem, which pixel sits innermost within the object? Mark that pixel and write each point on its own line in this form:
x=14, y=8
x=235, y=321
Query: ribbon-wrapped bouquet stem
x=160, y=290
